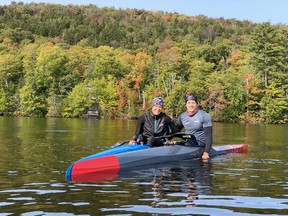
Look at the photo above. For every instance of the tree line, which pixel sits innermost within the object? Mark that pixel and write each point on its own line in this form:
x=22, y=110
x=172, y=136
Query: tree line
x=60, y=61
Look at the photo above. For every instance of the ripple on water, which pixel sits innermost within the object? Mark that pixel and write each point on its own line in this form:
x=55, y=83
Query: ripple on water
x=215, y=205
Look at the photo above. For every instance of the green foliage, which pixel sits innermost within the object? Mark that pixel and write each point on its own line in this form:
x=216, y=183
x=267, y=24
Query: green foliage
x=3, y=99
x=45, y=75
x=234, y=94
x=269, y=53
x=275, y=104
x=61, y=61
x=104, y=92
x=199, y=71
x=133, y=104
x=129, y=29
x=168, y=71
x=9, y=99
x=32, y=103
x=106, y=62
x=175, y=101
x=77, y=101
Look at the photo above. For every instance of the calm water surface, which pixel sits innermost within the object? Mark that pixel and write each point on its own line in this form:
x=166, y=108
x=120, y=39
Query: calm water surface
x=36, y=152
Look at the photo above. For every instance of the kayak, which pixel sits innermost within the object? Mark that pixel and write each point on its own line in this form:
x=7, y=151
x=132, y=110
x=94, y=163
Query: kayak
x=110, y=162
x=148, y=171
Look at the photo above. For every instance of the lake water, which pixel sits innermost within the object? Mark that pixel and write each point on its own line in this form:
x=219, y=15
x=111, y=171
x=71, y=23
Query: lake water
x=36, y=152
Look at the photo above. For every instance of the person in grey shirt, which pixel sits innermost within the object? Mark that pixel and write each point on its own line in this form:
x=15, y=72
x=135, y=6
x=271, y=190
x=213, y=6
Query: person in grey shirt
x=198, y=122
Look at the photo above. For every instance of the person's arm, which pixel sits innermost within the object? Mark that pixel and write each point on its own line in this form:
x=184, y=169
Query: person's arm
x=179, y=124
x=139, y=128
x=172, y=126
x=208, y=142
x=207, y=126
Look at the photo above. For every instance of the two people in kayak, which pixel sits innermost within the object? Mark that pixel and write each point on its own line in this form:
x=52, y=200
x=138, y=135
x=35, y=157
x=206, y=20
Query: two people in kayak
x=156, y=123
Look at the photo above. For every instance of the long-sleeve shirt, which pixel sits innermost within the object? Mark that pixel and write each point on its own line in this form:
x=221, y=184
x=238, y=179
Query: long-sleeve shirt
x=150, y=125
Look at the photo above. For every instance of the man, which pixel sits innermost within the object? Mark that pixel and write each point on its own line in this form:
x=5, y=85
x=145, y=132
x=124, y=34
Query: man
x=197, y=122
x=153, y=124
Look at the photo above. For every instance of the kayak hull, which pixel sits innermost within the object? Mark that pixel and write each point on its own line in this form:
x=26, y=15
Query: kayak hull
x=109, y=163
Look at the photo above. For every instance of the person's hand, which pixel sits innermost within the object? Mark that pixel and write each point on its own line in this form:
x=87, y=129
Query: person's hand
x=132, y=141
x=205, y=156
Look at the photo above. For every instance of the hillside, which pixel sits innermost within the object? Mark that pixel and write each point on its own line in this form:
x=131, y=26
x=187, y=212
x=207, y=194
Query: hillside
x=61, y=61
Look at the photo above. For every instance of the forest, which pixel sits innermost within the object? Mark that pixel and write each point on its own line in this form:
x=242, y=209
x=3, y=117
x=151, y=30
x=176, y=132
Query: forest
x=63, y=60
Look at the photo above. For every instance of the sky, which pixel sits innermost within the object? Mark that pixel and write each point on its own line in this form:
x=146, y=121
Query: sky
x=258, y=11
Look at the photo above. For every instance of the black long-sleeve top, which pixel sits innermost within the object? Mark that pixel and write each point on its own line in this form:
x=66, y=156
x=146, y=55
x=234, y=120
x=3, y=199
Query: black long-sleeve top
x=150, y=125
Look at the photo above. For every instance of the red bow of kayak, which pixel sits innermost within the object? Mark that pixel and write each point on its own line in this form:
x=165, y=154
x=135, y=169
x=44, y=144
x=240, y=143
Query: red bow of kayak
x=106, y=163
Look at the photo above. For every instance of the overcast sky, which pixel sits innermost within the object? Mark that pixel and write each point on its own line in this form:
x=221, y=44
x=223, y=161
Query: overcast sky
x=273, y=11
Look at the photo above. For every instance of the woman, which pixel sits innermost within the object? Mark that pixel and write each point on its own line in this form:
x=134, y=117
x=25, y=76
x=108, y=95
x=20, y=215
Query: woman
x=153, y=124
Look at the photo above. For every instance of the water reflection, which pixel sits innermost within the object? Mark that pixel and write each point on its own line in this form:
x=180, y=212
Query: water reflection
x=187, y=189
x=170, y=184
x=193, y=179
x=35, y=154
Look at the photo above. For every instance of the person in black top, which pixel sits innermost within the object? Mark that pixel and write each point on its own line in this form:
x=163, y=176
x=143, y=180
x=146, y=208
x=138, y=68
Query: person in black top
x=153, y=124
